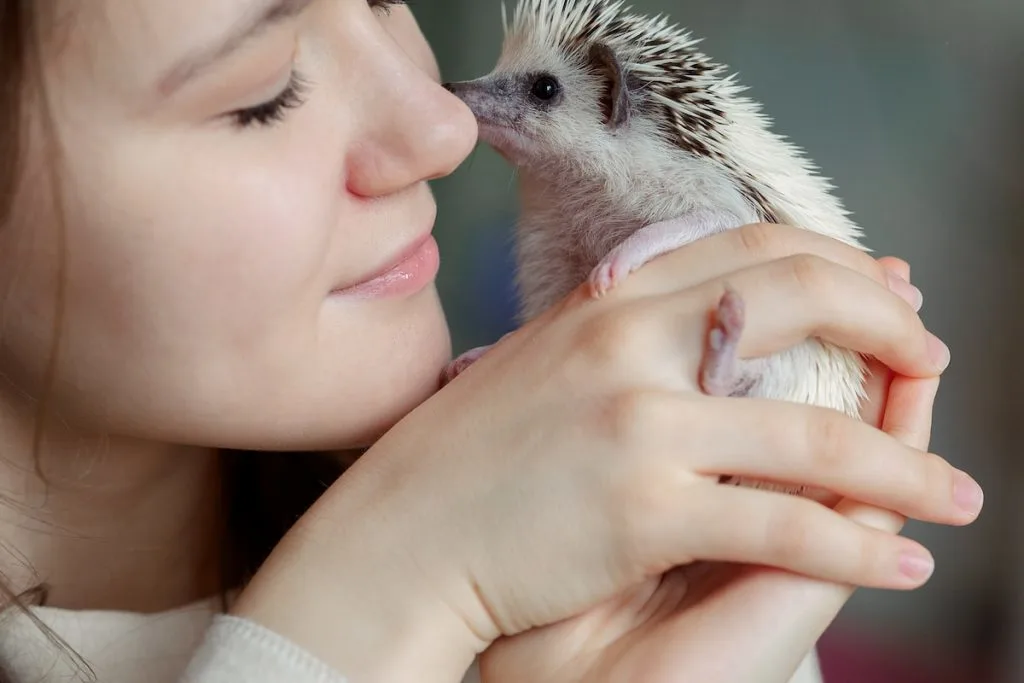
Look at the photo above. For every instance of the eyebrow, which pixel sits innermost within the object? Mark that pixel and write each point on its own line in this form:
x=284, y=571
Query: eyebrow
x=261, y=17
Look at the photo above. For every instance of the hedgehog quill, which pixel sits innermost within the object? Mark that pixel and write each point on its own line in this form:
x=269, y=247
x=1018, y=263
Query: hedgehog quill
x=629, y=142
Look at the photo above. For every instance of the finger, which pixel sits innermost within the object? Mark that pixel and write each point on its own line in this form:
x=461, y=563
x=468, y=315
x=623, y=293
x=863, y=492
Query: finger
x=897, y=266
x=751, y=245
x=876, y=390
x=908, y=413
x=798, y=444
x=790, y=300
x=750, y=526
x=871, y=516
x=908, y=417
x=898, y=274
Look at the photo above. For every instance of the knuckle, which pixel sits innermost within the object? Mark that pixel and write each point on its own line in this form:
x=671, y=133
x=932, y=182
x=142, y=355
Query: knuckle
x=908, y=324
x=643, y=498
x=899, y=329
x=873, y=268
x=809, y=272
x=934, y=480
x=801, y=534
x=828, y=439
x=608, y=338
x=627, y=419
x=756, y=239
x=641, y=481
x=791, y=533
x=862, y=552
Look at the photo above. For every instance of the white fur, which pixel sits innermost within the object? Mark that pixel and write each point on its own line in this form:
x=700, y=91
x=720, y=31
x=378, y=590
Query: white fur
x=585, y=189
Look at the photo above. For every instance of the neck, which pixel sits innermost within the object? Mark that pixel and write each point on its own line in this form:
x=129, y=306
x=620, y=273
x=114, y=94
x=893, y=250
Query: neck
x=105, y=522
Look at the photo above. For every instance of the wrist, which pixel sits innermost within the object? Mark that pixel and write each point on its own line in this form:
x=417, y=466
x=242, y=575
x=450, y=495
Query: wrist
x=343, y=597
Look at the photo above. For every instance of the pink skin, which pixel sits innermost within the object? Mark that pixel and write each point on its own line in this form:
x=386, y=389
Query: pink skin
x=720, y=373
x=652, y=241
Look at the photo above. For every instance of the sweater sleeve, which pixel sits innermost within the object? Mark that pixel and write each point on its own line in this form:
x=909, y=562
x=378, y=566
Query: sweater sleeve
x=236, y=650
x=809, y=671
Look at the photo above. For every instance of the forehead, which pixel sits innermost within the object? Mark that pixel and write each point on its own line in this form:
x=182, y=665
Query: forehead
x=134, y=39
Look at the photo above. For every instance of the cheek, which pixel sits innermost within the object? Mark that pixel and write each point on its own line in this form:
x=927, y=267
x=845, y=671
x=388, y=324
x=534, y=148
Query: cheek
x=194, y=268
x=207, y=235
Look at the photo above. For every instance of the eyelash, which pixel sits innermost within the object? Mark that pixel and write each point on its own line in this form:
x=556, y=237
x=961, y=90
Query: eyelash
x=273, y=111
x=293, y=96
x=384, y=6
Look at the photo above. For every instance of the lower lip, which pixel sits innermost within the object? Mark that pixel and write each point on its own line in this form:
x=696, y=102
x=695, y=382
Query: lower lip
x=409, y=276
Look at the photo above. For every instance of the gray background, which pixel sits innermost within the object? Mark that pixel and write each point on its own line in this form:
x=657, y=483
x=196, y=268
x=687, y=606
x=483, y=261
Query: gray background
x=915, y=109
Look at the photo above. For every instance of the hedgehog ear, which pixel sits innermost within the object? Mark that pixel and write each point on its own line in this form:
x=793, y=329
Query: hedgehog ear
x=616, y=99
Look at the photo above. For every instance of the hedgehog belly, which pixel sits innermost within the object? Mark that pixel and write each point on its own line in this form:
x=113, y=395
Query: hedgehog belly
x=816, y=373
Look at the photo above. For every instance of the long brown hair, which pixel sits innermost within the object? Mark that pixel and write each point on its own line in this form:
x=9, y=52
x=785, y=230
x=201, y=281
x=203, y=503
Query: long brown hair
x=263, y=494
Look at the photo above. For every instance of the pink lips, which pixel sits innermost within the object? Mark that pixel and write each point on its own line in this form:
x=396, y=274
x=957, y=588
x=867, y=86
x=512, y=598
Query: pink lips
x=413, y=271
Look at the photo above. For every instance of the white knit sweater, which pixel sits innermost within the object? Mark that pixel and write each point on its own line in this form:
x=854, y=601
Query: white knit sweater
x=193, y=644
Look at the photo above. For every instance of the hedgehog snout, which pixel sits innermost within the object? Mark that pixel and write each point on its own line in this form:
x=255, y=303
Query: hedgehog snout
x=486, y=99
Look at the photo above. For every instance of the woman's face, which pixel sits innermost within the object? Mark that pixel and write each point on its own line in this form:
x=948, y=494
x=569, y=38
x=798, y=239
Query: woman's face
x=237, y=176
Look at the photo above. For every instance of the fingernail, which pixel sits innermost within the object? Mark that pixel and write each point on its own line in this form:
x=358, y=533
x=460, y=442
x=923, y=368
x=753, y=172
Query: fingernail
x=906, y=291
x=938, y=351
x=916, y=566
x=967, y=494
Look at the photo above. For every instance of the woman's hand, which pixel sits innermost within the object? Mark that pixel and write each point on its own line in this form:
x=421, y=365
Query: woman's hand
x=577, y=460
x=736, y=623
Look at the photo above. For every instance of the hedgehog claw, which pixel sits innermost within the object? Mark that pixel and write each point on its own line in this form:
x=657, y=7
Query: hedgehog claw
x=600, y=280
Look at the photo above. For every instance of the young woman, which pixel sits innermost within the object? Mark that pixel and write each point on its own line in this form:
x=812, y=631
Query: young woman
x=215, y=246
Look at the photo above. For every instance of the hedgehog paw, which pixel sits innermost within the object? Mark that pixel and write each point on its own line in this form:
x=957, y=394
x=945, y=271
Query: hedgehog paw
x=722, y=372
x=612, y=270
x=463, y=361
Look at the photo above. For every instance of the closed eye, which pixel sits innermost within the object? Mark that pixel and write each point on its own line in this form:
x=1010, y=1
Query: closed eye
x=274, y=110
x=293, y=96
x=384, y=6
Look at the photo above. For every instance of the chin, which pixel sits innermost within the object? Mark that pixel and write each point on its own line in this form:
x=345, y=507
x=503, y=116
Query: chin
x=408, y=375
x=376, y=366
x=345, y=420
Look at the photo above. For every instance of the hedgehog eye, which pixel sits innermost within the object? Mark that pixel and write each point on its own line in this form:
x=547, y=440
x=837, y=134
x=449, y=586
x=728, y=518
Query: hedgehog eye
x=544, y=88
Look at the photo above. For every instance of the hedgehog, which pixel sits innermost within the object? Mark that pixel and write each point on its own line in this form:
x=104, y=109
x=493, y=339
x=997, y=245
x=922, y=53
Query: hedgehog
x=629, y=142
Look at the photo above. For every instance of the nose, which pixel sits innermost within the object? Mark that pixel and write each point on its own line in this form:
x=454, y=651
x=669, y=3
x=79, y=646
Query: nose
x=419, y=130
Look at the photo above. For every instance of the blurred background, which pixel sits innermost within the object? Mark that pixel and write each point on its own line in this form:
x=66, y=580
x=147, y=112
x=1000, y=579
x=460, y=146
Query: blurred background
x=915, y=108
